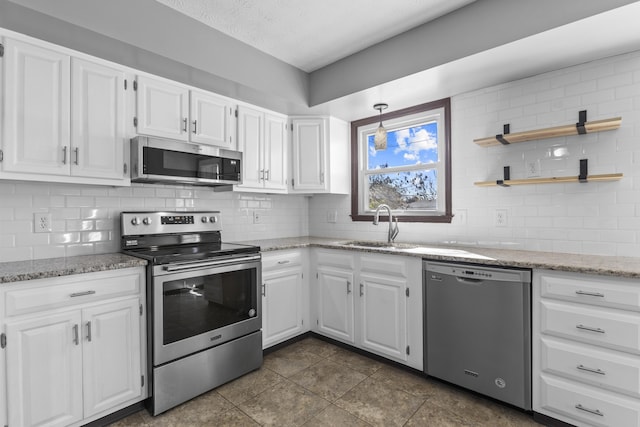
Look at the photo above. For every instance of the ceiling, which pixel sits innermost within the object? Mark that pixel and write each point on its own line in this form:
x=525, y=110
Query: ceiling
x=310, y=34
x=599, y=36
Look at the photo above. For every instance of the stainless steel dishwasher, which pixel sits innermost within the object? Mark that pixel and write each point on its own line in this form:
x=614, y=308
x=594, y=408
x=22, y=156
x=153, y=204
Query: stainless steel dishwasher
x=478, y=329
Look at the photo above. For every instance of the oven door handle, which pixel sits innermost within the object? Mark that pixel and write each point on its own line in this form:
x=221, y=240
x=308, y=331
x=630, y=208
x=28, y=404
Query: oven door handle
x=210, y=263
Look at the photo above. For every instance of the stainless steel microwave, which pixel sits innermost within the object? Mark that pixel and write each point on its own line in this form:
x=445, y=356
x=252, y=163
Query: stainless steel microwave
x=169, y=161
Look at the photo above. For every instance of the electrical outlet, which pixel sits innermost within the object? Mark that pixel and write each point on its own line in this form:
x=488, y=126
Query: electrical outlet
x=500, y=220
x=41, y=222
x=460, y=216
x=533, y=168
x=332, y=216
x=257, y=217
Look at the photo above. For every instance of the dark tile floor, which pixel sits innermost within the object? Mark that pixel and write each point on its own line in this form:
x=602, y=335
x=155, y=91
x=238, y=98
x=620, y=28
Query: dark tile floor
x=314, y=383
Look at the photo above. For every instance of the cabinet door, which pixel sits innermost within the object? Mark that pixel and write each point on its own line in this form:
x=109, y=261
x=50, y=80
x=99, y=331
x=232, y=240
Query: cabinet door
x=275, y=153
x=210, y=120
x=111, y=354
x=250, y=134
x=163, y=109
x=36, y=106
x=383, y=304
x=309, y=150
x=335, y=299
x=98, y=112
x=281, y=306
x=44, y=370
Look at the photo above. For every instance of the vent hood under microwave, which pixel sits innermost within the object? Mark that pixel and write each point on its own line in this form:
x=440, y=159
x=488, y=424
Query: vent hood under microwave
x=167, y=161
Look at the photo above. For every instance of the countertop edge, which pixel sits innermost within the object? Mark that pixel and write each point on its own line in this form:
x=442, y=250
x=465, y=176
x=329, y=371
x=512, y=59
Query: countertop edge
x=625, y=267
x=19, y=271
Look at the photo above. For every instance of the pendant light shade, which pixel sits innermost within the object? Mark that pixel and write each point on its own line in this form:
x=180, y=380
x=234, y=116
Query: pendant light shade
x=380, y=138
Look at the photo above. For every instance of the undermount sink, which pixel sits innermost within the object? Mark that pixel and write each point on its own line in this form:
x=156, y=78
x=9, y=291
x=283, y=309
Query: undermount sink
x=413, y=249
x=379, y=245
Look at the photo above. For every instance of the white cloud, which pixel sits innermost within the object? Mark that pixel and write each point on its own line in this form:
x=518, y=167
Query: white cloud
x=372, y=150
x=410, y=156
x=420, y=141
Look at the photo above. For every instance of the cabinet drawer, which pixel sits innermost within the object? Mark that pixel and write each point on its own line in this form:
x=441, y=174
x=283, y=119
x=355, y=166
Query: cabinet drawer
x=69, y=290
x=602, y=291
x=600, y=326
x=607, y=369
x=587, y=404
x=281, y=259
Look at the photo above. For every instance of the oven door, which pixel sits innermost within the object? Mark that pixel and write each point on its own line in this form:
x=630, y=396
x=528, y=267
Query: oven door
x=203, y=304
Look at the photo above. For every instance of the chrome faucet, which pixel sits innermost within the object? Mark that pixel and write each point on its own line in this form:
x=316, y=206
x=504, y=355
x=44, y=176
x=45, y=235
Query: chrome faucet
x=393, y=228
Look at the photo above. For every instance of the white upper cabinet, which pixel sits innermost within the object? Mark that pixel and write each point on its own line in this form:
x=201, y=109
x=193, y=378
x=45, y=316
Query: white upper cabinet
x=262, y=140
x=162, y=108
x=320, y=151
x=36, y=109
x=212, y=120
x=275, y=152
x=63, y=117
x=250, y=129
x=98, y=120
x=170, y=110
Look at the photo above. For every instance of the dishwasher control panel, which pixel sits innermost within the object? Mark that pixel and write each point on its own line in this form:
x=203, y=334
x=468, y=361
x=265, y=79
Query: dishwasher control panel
x=436, y=270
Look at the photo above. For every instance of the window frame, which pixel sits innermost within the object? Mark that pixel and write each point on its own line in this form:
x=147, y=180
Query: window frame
x=356, y=158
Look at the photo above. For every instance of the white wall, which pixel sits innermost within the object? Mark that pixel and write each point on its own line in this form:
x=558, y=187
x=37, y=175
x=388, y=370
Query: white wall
x=592, y=218
x=86, y=218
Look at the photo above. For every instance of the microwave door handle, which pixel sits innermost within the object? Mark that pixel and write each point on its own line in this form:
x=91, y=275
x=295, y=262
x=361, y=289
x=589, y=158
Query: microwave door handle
x=209, y=263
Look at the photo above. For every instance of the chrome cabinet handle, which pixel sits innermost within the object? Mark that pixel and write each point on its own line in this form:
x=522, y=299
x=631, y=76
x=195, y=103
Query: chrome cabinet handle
x=195, y=126
x=322, y=177
x=184, y=124
x=266, y=174
x=286, y=261
x=591, y=329
x=264, y=289
x=594, y=370
x=361, y=289
x=77, y=155
x=348, y=287
x=261, y=174
x=82, y=294
x=89, y=331
x=64, y=155
x=590, y=294
x=76, y=337
x=591, y=411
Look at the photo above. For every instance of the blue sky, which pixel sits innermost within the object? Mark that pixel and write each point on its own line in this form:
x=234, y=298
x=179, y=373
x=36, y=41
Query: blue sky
x=408, y=146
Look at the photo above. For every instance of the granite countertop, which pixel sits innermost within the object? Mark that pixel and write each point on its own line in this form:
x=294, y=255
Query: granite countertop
x=591, y=264
x=52, y=267
x=628, y=267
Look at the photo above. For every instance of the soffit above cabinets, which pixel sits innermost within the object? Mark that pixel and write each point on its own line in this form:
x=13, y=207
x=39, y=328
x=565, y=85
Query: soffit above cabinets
x=310, y=34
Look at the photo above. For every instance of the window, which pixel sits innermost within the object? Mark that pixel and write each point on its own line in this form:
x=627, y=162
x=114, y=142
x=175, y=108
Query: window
x=413, y=174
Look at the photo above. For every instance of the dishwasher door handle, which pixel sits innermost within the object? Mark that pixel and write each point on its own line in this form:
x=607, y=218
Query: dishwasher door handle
x=468, y=280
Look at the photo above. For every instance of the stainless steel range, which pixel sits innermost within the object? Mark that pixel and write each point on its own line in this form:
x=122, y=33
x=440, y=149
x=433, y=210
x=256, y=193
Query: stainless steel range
x=203, y=302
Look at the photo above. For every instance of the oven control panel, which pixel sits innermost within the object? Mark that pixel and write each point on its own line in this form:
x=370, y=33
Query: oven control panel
x=177, y=219
x=145, y=223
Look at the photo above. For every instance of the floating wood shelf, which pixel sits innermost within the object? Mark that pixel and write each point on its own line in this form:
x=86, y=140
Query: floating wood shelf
x=575, y=129
x=549, y=180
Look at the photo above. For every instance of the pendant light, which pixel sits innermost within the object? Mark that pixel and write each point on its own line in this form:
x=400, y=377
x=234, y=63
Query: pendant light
x=380, y=138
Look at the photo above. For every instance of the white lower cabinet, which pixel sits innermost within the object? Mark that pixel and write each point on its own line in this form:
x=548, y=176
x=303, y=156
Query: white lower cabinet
x=284, y=296
x=371, y=301
x=586, y=346
x=335, y=303
x=77, y=356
